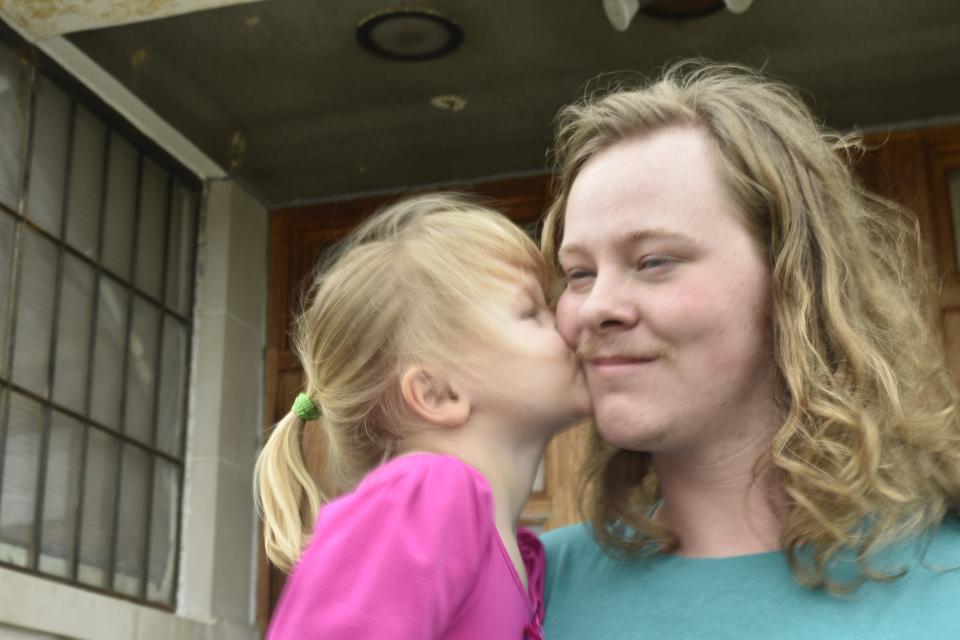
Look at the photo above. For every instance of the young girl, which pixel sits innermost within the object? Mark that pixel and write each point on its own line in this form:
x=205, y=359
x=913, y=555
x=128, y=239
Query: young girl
x=435, y=374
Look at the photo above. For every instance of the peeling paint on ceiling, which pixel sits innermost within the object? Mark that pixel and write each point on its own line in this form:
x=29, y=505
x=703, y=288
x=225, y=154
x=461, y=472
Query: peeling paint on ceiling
x=41, y=19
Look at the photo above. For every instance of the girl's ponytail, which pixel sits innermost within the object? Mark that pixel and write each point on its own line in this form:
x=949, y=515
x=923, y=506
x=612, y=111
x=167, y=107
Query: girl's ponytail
x=288, y=497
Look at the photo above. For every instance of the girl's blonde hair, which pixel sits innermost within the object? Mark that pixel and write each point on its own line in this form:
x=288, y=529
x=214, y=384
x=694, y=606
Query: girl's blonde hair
x=868, y=452
x=400, y=290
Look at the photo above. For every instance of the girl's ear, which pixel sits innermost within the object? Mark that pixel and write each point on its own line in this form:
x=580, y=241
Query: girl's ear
x=434, y=399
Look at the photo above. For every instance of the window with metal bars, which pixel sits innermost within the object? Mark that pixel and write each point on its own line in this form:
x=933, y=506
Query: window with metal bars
x=97, y=249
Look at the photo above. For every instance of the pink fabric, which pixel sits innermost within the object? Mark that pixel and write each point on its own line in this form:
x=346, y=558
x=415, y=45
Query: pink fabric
x=412, y=553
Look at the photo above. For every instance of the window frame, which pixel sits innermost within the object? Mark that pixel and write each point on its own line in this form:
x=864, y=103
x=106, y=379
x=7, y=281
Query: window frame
x=177, y=176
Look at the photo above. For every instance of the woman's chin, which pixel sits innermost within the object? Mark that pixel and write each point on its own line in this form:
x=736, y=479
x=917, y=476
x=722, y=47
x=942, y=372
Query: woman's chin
x=626, y=429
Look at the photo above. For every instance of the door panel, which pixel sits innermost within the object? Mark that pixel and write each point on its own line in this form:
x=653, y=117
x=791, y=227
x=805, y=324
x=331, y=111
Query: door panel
x=919, y=169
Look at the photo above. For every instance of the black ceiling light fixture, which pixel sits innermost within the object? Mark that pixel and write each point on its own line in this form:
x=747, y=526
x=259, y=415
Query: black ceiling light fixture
x=621, y=12
x=412, y=34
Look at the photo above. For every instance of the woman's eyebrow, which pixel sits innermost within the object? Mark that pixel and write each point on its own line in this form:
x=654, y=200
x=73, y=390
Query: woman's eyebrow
x=648, y=235
x=631, y=238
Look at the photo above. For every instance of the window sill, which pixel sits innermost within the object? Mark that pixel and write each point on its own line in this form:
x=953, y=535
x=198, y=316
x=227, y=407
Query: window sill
x=32, y=603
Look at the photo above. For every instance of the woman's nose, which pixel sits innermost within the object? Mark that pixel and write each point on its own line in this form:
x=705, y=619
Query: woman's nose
x=609, y=306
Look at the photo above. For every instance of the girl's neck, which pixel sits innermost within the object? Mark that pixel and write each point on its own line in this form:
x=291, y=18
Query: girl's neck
x=715, y=504
x=511, y=474
x=509, y=468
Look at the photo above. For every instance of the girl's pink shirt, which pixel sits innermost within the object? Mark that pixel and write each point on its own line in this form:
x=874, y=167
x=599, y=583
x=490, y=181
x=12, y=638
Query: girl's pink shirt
x=412, y=553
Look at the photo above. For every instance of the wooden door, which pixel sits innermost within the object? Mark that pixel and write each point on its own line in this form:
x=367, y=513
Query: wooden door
x=944, y=172
x=298, y=237
x=920, y=169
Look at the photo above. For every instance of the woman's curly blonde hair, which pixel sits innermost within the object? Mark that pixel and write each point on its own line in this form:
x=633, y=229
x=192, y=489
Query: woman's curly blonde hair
x=868, y=452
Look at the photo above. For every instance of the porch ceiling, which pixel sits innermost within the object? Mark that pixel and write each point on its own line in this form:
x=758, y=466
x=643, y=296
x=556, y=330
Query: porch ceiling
x=282, y=96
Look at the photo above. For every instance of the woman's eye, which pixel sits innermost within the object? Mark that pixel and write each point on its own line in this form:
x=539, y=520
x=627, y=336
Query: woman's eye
x=577, y=274
x=652, y=262
x=530, y=314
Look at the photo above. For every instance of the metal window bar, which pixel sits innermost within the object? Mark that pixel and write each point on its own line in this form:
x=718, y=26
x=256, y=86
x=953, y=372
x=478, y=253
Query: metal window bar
x=91, y=351
x=155, y=410
x=15, y=267
x=41, y=485
x=94, y=264
x=70, y=413
x=121, y=426
x=155, y=416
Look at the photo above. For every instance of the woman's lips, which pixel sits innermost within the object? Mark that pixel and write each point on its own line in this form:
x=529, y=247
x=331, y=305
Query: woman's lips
x=613, y=365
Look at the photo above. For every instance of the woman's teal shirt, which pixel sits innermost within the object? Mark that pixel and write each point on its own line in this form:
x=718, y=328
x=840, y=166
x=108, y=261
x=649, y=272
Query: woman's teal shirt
x=593, y=596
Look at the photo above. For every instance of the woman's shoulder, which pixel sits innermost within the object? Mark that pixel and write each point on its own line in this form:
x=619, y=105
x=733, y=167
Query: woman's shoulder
x=576, y=537
x=946, y=537
x=573, y=550
x=936, y=553
x=935, y=548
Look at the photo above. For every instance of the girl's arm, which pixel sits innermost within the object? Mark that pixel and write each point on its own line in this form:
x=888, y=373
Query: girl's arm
x=396, y=559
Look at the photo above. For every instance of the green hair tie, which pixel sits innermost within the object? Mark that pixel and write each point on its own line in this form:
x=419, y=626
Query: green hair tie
x=303, y=406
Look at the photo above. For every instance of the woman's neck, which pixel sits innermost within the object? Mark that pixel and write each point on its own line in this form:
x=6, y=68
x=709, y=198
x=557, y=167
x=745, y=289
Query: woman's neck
x=715, y=503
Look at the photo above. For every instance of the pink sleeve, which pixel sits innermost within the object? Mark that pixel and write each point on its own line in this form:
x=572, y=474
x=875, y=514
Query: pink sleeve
x=396, y=559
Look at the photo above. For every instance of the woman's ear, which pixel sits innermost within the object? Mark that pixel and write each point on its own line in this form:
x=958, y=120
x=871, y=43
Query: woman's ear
x=433, y=398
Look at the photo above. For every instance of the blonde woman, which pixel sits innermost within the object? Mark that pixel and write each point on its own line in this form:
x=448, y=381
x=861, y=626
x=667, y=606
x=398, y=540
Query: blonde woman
x=777, y=450
x=435, y=372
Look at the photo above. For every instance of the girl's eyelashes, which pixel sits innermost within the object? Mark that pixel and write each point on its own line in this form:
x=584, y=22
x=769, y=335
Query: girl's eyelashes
x=540, y=313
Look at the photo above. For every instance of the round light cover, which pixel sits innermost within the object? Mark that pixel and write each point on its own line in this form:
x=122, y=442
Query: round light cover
x=738, y=6
x=409, y=34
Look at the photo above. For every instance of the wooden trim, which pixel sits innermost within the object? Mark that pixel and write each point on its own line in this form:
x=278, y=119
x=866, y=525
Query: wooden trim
x=942, y=162
x=944, y=138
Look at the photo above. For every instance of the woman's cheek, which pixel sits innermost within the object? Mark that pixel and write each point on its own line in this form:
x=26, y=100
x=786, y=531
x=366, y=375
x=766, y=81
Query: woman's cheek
x=567, y=319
